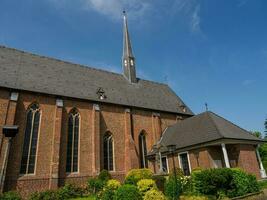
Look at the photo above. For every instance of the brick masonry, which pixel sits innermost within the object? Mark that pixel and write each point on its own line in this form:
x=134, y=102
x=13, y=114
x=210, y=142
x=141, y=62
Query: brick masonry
x=124, y=123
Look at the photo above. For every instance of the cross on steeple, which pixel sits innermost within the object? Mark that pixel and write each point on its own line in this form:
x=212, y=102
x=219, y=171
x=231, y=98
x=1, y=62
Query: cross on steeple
x=128, y=60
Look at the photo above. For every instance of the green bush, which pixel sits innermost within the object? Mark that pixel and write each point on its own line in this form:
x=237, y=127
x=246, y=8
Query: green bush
x=95, y=185
x=172, y=188
x=224, y=182
x=145, y=185
x=127, y=192
x=160, y=181
x=69, y=191
x=45, y=195
x=113, y=184
x=11, y=195
x=104, y=175
x=66, y=192
x=154, y=195
x=136, y=175
x=109, y=190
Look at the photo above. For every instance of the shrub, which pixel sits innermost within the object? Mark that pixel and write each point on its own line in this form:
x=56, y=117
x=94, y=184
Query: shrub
x=109, y=190
x=11, y=195
x=145, y=185
x=113, y=184
x=160, y=181
x=95, y=185
x=104, y=175
x=172, y=188
x=136, y=175
x=224, y=182
x=69, y=191
x=154, y=195
x=66, y=192
x=126, y=192
x=45, y=195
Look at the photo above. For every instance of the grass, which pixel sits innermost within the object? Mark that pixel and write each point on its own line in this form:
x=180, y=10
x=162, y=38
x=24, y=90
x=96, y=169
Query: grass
x=263, y=184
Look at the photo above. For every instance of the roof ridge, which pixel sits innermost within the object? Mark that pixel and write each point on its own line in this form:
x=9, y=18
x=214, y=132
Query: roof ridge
x=215, y=125
x=232, y=123
x=76, y=64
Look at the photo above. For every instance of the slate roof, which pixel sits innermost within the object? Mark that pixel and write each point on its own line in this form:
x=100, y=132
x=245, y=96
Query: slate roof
x=203, y=128
x=25, y=71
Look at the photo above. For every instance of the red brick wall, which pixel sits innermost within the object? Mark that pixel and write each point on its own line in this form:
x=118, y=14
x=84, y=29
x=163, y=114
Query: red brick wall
x=248, y=159
x=112, y=118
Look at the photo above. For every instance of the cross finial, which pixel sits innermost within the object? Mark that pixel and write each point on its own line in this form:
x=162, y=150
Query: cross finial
x=206, y=105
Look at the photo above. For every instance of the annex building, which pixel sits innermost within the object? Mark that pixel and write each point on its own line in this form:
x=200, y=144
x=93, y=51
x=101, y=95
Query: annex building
x=62, y=122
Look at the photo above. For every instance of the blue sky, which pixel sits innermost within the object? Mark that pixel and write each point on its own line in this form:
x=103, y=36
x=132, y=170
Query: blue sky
x=207, y=51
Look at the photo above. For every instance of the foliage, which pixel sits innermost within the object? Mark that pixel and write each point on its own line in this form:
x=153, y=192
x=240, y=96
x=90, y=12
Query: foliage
x=145, y=185
x=113, y=184
x=126, y=192
x=154, y=195
x=66, y=192
x=12, y=195
x=257, y=134
x=160, y=181
x=172, y=188
x=224, y=182
x=263, y=184
x=104, y=175
x=136, y=175
x=69, y=191
x=109, y=190
x=95, y=185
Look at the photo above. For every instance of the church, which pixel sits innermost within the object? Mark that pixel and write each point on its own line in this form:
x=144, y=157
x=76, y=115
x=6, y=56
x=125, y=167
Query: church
x=63, y=123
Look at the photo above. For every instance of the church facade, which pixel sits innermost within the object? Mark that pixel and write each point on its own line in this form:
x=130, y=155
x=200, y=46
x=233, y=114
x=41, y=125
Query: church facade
x=71, y=121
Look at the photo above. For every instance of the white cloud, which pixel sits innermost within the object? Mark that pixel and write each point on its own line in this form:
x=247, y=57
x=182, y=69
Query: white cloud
x=195, y=20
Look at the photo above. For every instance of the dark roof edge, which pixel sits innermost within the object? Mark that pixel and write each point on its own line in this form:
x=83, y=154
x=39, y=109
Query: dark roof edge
x=202, y=144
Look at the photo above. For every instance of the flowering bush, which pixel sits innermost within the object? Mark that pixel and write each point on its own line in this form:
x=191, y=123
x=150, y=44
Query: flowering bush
x=136, y=175
x=154, y=195
x=113, y=184
x=145, y=185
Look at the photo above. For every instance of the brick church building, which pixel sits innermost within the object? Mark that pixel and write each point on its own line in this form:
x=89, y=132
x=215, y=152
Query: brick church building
x=63, y=123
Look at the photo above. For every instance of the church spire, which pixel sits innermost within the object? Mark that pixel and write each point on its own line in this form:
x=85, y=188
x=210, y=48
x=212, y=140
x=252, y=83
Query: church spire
x=128, y=60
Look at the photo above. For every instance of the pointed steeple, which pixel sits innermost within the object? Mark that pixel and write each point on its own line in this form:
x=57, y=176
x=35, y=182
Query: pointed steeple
x=128, y=60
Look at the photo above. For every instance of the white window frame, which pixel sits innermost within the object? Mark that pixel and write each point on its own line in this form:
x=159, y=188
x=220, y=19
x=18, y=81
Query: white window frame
x=113, y=152
x=167, y=161
x=188, y=160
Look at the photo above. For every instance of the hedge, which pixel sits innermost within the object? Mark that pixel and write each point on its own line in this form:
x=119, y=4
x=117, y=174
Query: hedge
x=224, y=182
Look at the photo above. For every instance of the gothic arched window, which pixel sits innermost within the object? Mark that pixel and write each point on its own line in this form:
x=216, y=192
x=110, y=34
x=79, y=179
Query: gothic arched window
x=73, y=141
x=30, y=140
x=108, y=152
x=142, y=150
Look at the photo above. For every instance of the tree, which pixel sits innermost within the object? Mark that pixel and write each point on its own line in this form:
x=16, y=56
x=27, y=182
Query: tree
x=257, y=134
x=265, y=124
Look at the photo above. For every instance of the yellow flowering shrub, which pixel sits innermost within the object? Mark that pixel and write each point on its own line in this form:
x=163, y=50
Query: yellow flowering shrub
x=154, y=195
x=145, y=185
x=113, y=184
